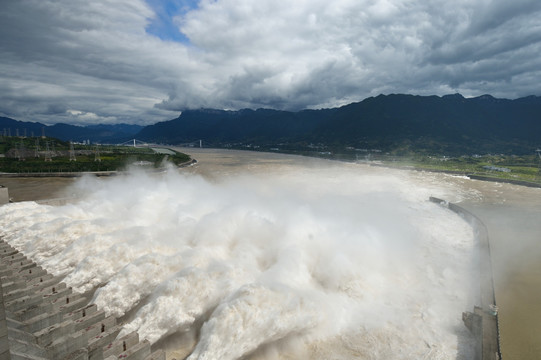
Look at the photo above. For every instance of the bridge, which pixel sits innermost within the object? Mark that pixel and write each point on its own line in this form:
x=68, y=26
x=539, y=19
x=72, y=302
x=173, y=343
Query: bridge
x=140, y=143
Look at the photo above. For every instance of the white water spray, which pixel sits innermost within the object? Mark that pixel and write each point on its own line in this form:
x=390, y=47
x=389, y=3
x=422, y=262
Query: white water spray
x=334, y=259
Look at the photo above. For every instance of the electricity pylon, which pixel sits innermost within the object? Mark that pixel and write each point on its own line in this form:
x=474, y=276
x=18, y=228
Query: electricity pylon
x=97, y=154
x=36, y=151
x=47, y=152
x=72, y=152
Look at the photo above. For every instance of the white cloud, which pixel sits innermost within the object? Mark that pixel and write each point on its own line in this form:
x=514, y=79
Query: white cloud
x=84, y=117
x=97, y=57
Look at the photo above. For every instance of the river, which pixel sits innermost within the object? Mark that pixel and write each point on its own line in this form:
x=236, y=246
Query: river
x=511, y=213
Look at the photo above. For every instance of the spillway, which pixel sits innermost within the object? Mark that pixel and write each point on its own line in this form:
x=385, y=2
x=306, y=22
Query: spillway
x=306, y=261
x=41, y=318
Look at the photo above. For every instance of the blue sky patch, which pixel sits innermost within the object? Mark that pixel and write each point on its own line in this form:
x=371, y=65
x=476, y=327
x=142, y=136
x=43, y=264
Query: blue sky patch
x=163, y=25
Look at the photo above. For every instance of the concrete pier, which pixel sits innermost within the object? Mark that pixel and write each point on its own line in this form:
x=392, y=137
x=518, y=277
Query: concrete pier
x=4, y=195
x=41, y=318
x=483, y=321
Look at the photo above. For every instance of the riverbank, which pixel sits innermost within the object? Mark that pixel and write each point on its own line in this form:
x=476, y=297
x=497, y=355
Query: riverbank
x=517, y=170
x=71, y=160
x=507, y=181
x=461, y=173
x=76, y=174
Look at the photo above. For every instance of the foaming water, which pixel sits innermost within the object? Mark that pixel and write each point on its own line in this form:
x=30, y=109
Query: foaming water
x=333, y=261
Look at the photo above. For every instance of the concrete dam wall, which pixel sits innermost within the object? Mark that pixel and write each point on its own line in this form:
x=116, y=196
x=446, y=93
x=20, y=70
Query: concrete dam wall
x=41, y=318
x=483, y=321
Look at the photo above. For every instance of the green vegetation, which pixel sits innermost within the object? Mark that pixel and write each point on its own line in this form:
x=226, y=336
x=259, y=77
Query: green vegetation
x=49, y=155
x=513, y=168
x=508, y=167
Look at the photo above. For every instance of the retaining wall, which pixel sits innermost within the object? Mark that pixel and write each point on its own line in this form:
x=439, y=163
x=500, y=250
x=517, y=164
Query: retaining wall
x=483, y=321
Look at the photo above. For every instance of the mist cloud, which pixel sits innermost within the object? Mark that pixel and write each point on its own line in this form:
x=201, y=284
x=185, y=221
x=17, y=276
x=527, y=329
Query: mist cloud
x=331, y=258
x=142, y=62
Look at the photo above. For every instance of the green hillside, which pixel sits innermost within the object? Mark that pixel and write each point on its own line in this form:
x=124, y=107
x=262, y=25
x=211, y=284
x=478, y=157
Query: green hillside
x=50, y=155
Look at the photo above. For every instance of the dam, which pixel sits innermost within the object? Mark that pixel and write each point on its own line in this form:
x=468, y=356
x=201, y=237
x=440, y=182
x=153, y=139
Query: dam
x=483, y=321
x=41, y=318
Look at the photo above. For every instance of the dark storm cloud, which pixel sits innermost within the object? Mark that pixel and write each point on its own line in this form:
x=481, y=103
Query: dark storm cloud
x=105, y=60
x=491, y=30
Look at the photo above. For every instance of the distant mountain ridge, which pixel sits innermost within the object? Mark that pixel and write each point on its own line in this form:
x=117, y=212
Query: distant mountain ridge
x=95, y=133
x=397, y=122
x=450, y=124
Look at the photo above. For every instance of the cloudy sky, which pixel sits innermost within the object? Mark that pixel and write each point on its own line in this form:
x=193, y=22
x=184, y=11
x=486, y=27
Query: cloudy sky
x=137, y=61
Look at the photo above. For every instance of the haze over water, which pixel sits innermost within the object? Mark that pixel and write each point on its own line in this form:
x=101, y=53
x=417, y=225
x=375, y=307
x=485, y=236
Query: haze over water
x=267, y=256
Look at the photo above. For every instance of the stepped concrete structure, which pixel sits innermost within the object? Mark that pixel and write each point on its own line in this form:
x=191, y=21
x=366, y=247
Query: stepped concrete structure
x=41, y=318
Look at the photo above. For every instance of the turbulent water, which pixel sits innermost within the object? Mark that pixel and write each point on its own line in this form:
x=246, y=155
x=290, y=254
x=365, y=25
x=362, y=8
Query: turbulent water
x=313, y=261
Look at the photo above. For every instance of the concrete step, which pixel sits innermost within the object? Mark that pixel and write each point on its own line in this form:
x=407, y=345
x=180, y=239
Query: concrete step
x=139, y=351
x=121, y=345
x=30, y=273
x=79, y=354
x=29, y=349
x=19, y=263
x=42, y=321
x=66, y=305
x=46, y=281
x=97, y=330
x=81, y=312
x=9, y=286
x=13, y=323
x=22, y=303
x=28, y=300
x=6, y=272
x=18, y=283
x=26, y=264
x=45, y=320
x=46, y=336
x=45, y=278
x=70, y=303
x=89, y=320
x=72, y=323
x=65, y=345
x=11, y=261
x=44, y=289
x=21, y=335
x=7, y=251
x=54, y=292
x=97, y=343
x=19, y=356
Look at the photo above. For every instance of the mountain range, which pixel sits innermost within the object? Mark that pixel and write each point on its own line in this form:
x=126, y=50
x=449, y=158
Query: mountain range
x=94, y=133
x=396, y=123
